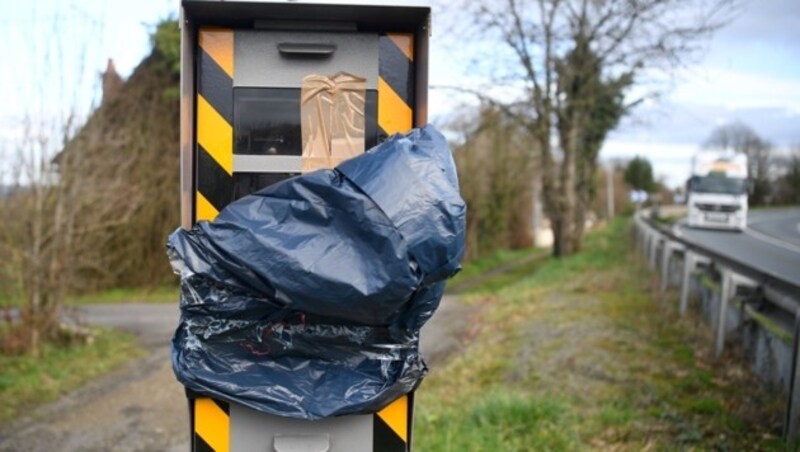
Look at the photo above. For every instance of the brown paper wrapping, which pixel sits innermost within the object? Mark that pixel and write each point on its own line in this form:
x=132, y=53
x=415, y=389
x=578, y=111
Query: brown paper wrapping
x=332, y=119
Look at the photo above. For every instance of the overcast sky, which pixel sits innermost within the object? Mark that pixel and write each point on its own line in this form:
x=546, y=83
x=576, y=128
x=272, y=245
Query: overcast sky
x=750, y=73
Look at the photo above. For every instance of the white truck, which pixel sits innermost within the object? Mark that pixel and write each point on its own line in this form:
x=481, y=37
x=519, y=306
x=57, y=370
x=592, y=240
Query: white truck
x=717, y=191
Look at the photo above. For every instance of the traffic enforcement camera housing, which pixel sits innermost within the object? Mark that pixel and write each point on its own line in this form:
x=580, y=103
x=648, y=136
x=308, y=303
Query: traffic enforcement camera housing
x=242, y=65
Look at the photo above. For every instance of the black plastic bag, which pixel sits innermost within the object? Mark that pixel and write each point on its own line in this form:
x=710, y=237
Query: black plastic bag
x=306, y=298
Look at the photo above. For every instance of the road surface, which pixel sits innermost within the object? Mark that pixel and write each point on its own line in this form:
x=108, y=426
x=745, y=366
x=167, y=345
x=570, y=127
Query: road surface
x=770, y=243
x=141, y=407
x=778, y=224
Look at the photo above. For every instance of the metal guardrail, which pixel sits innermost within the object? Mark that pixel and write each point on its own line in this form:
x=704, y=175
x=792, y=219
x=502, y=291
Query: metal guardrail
x=660, y=244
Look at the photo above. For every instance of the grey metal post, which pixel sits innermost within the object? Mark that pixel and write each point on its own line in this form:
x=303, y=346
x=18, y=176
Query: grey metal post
x=669, y=249
x=665, y=255
x=644, y=228
x=644, y=236
x=688, y=266
x=654, y=250
x=640, y=237
x=725, y=294
x=791, y=423
x=610, y=192
x=690, y=262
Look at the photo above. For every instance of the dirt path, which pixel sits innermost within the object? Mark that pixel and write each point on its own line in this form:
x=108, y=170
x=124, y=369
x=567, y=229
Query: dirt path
x=138, y=407
x=141, y=406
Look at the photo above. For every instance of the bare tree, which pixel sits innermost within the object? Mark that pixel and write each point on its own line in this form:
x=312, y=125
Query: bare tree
x=33, y=239
x=575, y=62
x=37, y=237
x=739, y=137
x=787, y=184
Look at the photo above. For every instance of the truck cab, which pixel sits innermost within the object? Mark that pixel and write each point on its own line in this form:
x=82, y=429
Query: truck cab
x=717, y=192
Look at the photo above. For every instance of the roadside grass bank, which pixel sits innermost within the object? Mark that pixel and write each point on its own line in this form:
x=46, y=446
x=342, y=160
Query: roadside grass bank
x=577, y=355
x=668, y=220
x=26, y=382
x=164, y=294
x=497, y=271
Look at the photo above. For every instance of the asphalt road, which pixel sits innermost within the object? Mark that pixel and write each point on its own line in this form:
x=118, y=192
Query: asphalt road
x=770, y=243
x=780, y=224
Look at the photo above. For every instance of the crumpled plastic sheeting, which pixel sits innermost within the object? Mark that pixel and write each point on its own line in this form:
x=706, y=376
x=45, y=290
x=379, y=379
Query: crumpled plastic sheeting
x=306, y=298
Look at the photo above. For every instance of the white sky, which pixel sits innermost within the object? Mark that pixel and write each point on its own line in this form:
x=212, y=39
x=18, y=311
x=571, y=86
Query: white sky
x=751, y=72
x=55, y=51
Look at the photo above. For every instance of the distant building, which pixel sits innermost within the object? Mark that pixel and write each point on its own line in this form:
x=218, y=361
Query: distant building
x=112, y=82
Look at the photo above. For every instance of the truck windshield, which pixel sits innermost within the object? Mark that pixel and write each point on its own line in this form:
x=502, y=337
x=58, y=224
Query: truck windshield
x=719, y=183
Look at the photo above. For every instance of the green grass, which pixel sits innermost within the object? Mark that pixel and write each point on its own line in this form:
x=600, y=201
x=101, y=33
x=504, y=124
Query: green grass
x=497, y=271
x=497, y=421
x=480, y=266
x=666, y=220
x=577, y=355
x=8, y=301
x=26, y=382
x=165, y=294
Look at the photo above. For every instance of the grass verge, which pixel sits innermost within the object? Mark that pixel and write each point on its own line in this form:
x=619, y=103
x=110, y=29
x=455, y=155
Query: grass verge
x=166, y=294
x=497, y=271
x=163, y=294
x=577, y=355
x=26, y=382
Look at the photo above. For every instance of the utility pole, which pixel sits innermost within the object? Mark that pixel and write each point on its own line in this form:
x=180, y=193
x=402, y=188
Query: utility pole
x=610, y=192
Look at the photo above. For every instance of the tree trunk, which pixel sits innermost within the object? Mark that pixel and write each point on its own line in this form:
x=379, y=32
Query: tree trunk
x=557, y=226
x=586, y=179
x=562, y=213
x=570, y=184
x=556, y=211
x=562, y=224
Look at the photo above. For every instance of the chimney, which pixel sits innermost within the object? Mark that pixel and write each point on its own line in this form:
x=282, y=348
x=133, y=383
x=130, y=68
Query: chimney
x=112, y=82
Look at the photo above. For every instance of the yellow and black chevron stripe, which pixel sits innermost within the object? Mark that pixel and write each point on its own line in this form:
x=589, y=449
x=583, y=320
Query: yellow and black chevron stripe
x=211, y=425
x=391, y=427
x=395, y=83
x=214, y=154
